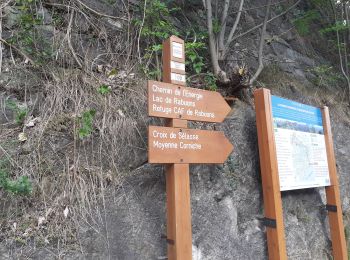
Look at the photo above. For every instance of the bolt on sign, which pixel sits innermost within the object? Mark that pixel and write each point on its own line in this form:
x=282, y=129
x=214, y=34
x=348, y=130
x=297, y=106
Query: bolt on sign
x=178, y=146
x=296, y=152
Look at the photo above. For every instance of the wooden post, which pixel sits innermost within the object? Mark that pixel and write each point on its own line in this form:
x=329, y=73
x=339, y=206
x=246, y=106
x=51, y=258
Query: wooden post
x=269, y=173
x=179, y=230
x=174, y=61
x=333, y=195
x=179, y=227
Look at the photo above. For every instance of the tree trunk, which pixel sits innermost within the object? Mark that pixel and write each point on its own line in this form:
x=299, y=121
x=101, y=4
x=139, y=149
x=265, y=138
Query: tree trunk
x=218, y=72
x=261, y=45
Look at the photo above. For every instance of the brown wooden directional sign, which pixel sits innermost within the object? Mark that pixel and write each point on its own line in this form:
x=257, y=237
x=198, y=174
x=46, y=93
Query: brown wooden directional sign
x=174, y=101
x=178, y=145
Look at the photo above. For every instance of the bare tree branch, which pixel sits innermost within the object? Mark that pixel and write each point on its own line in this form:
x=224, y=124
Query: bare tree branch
x=68, y=37
x=100, y=14
x=261, y=45
x=234, y=28
x=17, y=50
x=259, y=7
x=219, y=47
x=346, y=76
x=273, y=18
x=0, y=42
x=223, y=25
x=347, y=20
x=5, y=4
x=346, y=38
x=141, y=28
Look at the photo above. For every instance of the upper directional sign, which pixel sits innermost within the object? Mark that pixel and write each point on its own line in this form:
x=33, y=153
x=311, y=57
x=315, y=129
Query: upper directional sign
x=174, y=101
x=177, y=145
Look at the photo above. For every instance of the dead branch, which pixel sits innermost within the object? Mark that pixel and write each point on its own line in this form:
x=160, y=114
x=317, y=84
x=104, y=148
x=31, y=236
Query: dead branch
x=68, y=37
x=100, y=14
x=5, y=4
x=74, y=8
x=141, y=27
x=347, y=37
x=346, y=76
x=1, y=43
x=0, y=38
x=259, y=7
x=17, y=50
x=273, y=18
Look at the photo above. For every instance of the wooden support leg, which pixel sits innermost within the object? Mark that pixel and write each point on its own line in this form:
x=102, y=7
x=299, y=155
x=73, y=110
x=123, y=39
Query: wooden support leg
x=269, y=172
x=333, y=196
x=178, y=212
x=336, y=223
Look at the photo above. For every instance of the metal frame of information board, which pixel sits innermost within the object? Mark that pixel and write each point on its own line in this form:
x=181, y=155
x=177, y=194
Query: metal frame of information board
x=271, y=187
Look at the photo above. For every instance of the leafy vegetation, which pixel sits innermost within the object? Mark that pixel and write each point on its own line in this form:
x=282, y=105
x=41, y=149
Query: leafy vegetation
x=330, y=25
x=339, y=26
x=304, y=20
x=30, y=36
x=194, y=59
x=20, y=186
x=79, y=175
x=104, y=90
x=326, y=76
x=20, y=112
x=86, y=121
x=210, y=81
x=156, y=27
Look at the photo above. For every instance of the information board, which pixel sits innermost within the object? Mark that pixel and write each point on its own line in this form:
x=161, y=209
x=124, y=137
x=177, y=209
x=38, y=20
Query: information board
x=300, y=145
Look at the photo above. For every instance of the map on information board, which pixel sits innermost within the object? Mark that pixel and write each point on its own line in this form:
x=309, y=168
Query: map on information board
x=300, y=145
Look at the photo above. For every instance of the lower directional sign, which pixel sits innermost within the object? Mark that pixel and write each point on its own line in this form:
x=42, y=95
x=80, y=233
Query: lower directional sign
x=176, y=145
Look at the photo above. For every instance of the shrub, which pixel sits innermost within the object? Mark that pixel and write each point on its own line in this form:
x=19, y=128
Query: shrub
x=20, y=186
x=20, y=112
x=302, y=23
x=86, y=121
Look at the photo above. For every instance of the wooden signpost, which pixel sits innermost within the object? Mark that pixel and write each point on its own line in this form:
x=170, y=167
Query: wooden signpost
x=178, y=146
x=174, y=61
x=173, y=101
x=270, y=173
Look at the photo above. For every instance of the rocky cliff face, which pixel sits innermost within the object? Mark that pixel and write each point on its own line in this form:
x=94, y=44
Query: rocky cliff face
x=95, y=197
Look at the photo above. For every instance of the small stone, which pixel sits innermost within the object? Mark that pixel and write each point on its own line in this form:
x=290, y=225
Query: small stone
x=22, y=137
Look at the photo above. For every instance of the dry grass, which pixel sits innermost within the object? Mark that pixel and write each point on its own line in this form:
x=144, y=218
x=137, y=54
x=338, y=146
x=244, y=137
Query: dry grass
x=71, y=175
